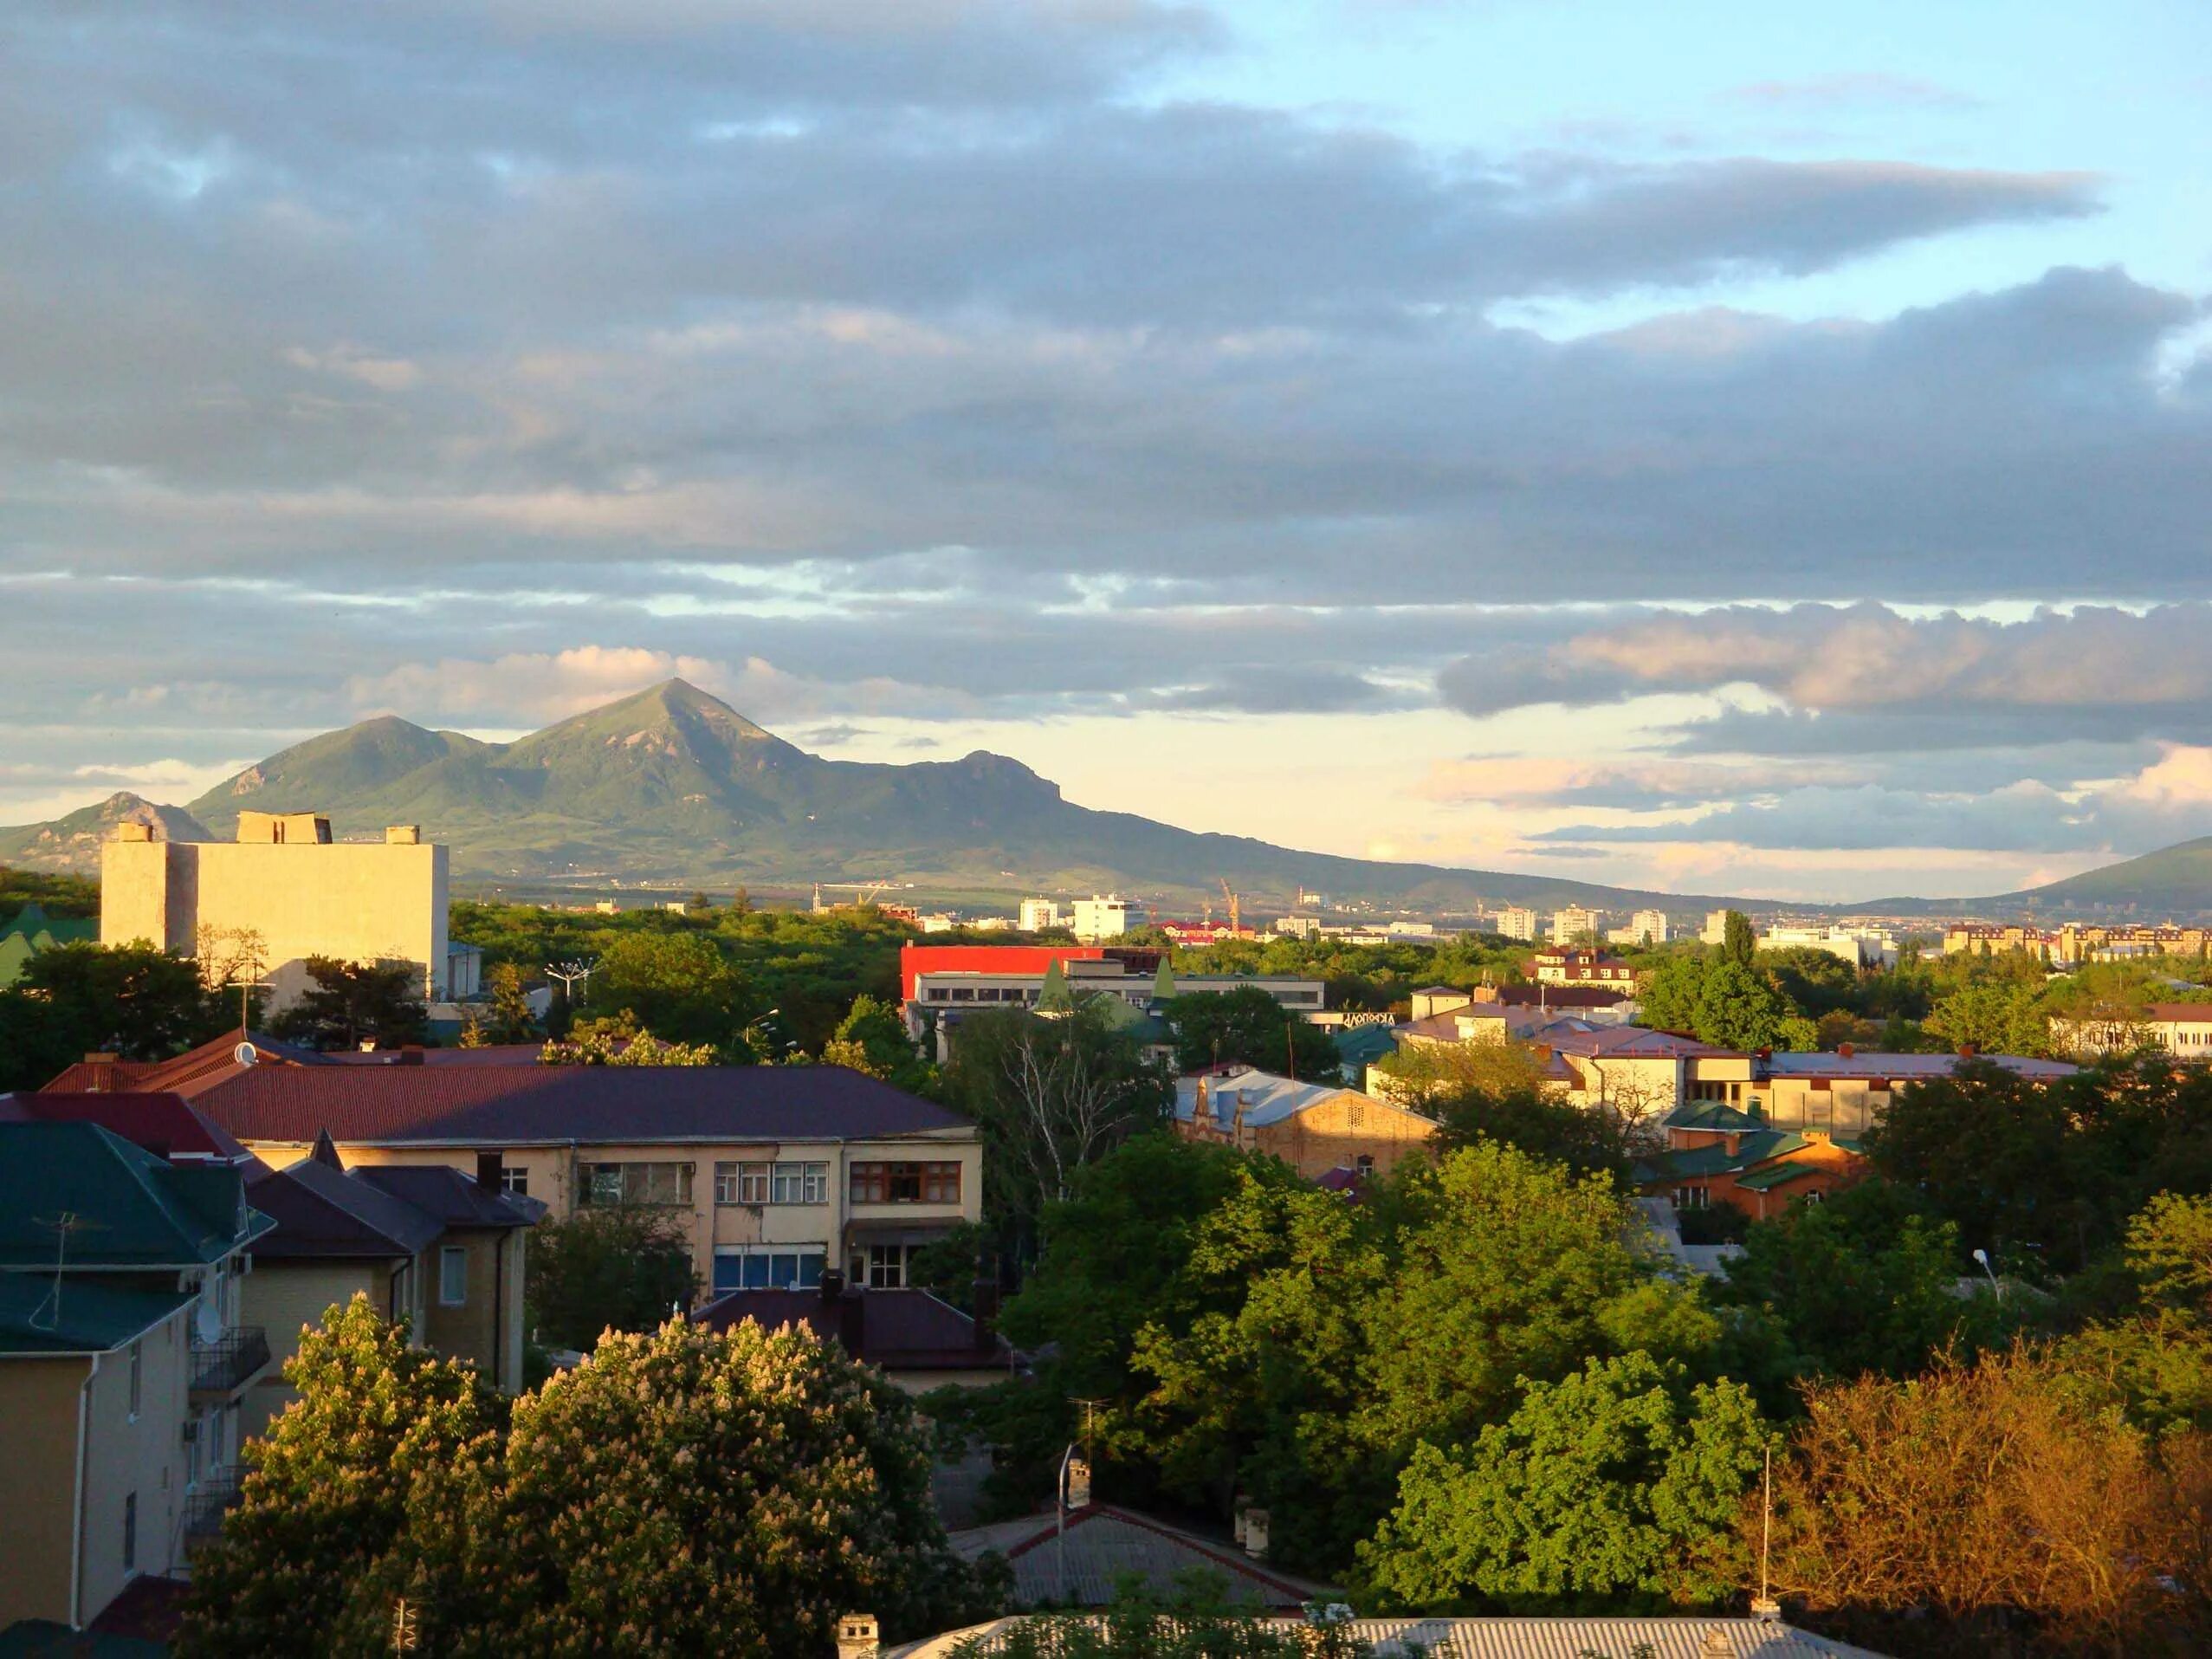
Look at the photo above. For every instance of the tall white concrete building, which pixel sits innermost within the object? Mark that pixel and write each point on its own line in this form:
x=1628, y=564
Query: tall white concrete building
x=1097, y=919
x=1515, y=921
x=1038, y=914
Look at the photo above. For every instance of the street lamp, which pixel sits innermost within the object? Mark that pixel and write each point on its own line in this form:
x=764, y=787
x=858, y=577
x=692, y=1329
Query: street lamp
x=1983, y=1256
x=1072, y=1490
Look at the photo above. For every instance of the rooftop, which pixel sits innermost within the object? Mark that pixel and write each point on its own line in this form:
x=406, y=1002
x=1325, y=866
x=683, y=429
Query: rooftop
x=1265, y=1097
x=897, y=1330
x=119, y=1205
x=79, y=1315
x=1106, y=1544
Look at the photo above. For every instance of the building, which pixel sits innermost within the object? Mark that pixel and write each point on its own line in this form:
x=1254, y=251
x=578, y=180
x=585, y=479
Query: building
x=1297, y=927
x=1574, y=922
x=1038, y=914
x=1716, y=931
x=31, y=931
x=287, y=882
x=1315, y=1128
x=1107, y=1546
x=940, y=984
x=2181, y=1029
x=1517, y=922
x=1097, y=919
x=774, y=1172
x=1763, y=1636
x=2072, y=945
x=1585, y=969
x=1644, y=928
x=918, y=1339
x=123, y=1358
x=1862, y=948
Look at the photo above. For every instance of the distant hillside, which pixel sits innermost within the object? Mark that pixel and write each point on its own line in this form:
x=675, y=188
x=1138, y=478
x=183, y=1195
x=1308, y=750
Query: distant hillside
x=2174, y=881
x=673, y=786
x=72, y=843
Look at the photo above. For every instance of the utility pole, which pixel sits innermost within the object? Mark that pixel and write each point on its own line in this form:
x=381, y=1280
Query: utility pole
x=405, y=1636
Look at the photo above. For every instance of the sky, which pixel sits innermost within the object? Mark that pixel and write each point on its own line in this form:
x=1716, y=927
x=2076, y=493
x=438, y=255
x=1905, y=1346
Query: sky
x=1723, y=446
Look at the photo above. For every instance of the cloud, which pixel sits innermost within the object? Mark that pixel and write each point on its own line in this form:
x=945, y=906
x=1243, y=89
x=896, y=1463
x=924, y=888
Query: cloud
x=1851, y=89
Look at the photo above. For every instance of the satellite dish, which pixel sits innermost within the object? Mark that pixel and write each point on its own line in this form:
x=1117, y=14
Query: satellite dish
x=245, y=1054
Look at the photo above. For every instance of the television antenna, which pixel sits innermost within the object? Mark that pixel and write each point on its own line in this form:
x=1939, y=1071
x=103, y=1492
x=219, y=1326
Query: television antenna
x=65, y=1223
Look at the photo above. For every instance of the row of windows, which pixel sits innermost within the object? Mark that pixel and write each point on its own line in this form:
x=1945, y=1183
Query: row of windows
x=772, y=1183
x=931, y=1182
x=798, y=1267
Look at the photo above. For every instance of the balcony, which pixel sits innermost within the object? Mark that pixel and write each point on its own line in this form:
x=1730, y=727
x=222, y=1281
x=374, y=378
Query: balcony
x=221, y=1368
x=215, y=1496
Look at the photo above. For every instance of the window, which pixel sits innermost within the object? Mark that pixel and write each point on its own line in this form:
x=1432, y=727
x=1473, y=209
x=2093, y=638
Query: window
x=801, y=1183
x=741, y=1183
x=637, y=1183
x=768, y=1266
x=881, y=1266
x=514, y=1180
x=452, y=1275
x=131, y=1532
x=137, y=1377
x=1689, y=1198
x=906, y=1183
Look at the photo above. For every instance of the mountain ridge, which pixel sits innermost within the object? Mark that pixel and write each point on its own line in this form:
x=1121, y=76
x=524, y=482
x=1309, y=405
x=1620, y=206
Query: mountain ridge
x=671, y=786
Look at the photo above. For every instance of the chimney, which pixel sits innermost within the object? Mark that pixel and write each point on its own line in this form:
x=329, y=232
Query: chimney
x=1843, y=1050
x=1256, y=1533
x=986, y=1315
x=1966, y=1051
x=403, y=834
x=412, y=1054
x=133, y=833
x=857, y=1636
x=102, y=1067
x=488, y=1165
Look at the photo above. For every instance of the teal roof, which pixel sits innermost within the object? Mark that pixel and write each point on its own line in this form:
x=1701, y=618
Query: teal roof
x=130, y=1208
x=87, y=1318
x=31, y=931
x=1781, y=1174
x=39, y=1638
x=1363, y=1045
x=1716, y=1159
x=1716, y=1115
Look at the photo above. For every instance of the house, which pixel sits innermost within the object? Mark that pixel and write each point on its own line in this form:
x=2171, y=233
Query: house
x=802, y=1167
x=1313, y=1127
x=1717, y=1154
x=2181, y=1029
x=1106, y=1545
x=1756, y=1638
x=1584, y=969
x=443, y=1249
x=918, y=1339
x=123, y=1360
x=285, y=881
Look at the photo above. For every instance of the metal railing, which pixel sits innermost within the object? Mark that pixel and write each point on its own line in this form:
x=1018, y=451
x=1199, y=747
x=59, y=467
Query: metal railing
x=231, y=1361
x=215, y=1496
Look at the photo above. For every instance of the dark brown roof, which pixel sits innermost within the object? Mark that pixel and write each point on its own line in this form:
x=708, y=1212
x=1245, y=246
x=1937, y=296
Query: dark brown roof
x=453, y=1198
x=898, y=1329
x=523, y=1106
x=166, y=1125
x=323, y=1212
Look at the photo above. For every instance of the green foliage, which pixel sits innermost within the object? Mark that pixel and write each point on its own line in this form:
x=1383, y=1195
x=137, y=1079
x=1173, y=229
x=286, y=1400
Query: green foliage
x=1719, y=1000
x=511, y=1021
x=1050, y=1096
x=78, y=999
x=1429, y=1075
x=1739, y=941
x=349, y=1003
x=1247, y=1027
x=619, y=1267
x=1601, y=1491
x=1993, y=1017
x=2157, y=1357
x=1588, y=1141
x=622, y=1042
x=57, y=895
x=676, y=984
x=1189, y=1625
x=684, y=1492
x=872, y=1038
x=1861, y=1282
x=1814, y=980
x=328, y=1488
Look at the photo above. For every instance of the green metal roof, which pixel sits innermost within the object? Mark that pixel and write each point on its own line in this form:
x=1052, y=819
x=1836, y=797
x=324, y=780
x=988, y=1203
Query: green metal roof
x=1361, y=1045
x=39, y=1638
x=120, y=1206
x=86, y=1317
x=1780, y=1175
x=1716, y=1115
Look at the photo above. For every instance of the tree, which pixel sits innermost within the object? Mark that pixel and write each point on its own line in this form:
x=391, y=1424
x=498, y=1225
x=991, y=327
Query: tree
x=1993, y=1017
x=1737, y=1008
x=1428, y=1076
x=1247, y=1027
x=691, y=1492
x=872, y=1038
x=1863, y=1282
x=1610, y=1485
x=511, y=1019
x=1945, y=1513
x=622, y=1042
x=2157, y=1357
x=1586, y=1140
x=133, y=1000
x=327, y=1491
x=678, y=984
x=1739, y=940
x=353, y=1002
x=1050, y=1096
x=610, y=1267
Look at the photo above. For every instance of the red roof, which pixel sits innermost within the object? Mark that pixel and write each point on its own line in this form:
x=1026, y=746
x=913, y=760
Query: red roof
x=165, y=1123
x=986, y=959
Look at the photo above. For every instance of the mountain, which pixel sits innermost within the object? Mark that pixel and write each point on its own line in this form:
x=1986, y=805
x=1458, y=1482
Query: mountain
x=2174, y=881
x=72, y=843
x=673, y=786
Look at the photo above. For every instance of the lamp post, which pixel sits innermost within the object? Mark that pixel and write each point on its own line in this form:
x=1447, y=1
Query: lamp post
x=1995, y=1284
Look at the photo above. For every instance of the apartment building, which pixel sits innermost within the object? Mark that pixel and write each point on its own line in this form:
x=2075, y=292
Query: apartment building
x=1574, y=922
x=1517, y=922
x=1038, y=914
x=284, y=880
x=1863, y=948
x=2072, y=945
x=2182, y=1029
x=1096, y=918
x=1585, y=969
x=1644, y=928
x=774, y=1173
x=123, y=1359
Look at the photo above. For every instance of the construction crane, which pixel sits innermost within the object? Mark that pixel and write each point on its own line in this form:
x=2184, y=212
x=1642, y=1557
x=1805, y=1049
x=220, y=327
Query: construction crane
x=1236, y=926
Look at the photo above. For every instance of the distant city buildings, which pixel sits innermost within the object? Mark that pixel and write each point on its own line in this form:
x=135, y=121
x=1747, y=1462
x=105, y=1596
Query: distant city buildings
x=1574, y=923
x=1862, y=948
x=1097, y=919
x=1038, y=914
x=1517, y=922
x=2072, y=945
x=1644, y=928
